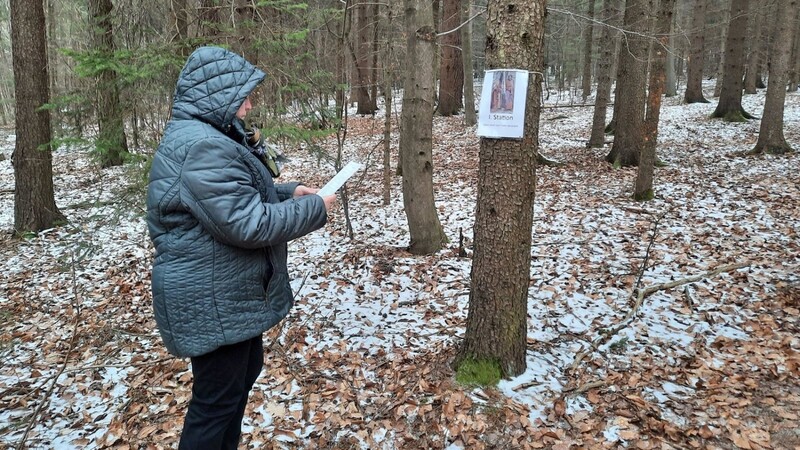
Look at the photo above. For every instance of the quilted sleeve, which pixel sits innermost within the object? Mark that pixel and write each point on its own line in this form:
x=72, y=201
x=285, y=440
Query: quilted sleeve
x=217, y=186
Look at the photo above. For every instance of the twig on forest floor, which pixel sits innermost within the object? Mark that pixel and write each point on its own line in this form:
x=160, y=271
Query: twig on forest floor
x=586, y=387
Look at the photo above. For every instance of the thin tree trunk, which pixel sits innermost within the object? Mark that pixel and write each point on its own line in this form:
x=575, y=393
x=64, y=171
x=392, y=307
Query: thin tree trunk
x=387, y=121
x=671, y=88
x=770, y=136
x=720, y=71
x=416, y=136
x=643, y=187
x=588, y=34
x=603, y=96
x=694, y=75
x=34, y=200
x=466, y=57
x=730, y=100
x=497, y=321
x=631, y=82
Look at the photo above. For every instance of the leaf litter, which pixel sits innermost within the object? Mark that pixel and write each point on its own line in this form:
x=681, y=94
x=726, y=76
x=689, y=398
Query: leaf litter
x=363, y=361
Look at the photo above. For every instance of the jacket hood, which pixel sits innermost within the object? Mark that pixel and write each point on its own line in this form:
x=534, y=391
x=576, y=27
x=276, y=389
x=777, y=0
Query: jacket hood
x=213, y=85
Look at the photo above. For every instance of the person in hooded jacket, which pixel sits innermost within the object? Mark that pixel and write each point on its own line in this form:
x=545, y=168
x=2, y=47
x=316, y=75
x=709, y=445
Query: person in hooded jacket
x=220, y=227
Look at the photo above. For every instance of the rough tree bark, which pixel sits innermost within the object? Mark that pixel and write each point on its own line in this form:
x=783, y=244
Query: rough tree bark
x=643, y=187
x=363, y=69
x=588, y=35
x=416, y=135
x=730, y=107
x=694, y=71
x=631, y=86
x=34, y=201
x=607, y=44
x=451, y=69
x=770, y=136
x=111, y=143
x=497, y=320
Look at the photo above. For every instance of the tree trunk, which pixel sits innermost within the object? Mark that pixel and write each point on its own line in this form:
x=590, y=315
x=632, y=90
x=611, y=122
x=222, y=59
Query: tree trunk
x=618, y=42
x=794, y=68
x=497, y=319
x=466, y=57
x=770, y=137
x=603, y=96
x=451, y=70
x=388, y=82
x=694, y=71
x=730, y=99
x=588, y=34
x=366, y=104
x=34, y=201
x=671, y=88
x=751, y=73
x=643, y=188
x=111, y=144
x=723, y=33
x=416, y=136
x=631, y=82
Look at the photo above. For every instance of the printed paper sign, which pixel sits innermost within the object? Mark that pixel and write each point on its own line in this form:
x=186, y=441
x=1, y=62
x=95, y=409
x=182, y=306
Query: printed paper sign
x=502, y=108
x=338, y=181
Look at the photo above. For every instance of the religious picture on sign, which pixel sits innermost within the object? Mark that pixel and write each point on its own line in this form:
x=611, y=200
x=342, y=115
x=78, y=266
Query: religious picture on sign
x=502, y=106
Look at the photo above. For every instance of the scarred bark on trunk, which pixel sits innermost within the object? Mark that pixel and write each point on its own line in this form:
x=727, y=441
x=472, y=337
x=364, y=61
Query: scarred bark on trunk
x=496, y=323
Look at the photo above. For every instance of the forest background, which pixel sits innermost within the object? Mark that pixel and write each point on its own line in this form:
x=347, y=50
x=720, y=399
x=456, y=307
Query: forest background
x=520, y=295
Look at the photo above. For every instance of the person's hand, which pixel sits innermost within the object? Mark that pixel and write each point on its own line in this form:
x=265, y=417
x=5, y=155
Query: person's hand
x=329, y=201
x=301, y=190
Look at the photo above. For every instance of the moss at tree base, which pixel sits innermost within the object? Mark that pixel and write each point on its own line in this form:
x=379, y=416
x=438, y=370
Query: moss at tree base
x=644, y=196
x=484, y=372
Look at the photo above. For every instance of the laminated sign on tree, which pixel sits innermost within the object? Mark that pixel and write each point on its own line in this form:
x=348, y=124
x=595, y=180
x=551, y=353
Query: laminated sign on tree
x=502, y=108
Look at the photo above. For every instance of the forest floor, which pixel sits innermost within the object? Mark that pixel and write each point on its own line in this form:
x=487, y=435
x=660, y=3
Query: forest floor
x=363, y=361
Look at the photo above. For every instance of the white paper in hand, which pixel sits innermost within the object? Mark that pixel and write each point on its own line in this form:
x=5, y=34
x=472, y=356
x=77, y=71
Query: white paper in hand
x=338, y=181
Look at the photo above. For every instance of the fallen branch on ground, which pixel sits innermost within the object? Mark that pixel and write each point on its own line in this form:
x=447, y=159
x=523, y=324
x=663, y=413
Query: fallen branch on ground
x=644, y=293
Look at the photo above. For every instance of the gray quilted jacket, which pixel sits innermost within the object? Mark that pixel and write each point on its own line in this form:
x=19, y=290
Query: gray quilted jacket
x=218, y=223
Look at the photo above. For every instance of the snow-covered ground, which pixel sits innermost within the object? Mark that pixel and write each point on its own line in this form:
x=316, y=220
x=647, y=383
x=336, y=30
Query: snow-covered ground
x=362, y=359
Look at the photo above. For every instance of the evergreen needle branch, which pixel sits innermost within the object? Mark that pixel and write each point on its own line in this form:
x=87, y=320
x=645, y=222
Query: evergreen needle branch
x=70, y=348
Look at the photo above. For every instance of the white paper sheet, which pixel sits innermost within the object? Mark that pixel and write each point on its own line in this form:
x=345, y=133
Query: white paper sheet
x=340, y=179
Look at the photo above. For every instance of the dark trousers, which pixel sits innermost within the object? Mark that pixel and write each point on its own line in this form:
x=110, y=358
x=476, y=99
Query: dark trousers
x=222, y=382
